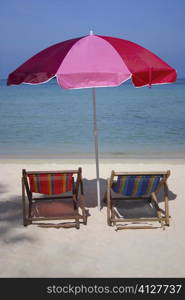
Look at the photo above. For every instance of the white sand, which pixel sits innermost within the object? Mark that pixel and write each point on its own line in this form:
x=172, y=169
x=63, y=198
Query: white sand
x=96, y=250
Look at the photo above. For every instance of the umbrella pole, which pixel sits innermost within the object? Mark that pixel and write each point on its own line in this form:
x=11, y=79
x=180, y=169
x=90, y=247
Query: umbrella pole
x=96, y=147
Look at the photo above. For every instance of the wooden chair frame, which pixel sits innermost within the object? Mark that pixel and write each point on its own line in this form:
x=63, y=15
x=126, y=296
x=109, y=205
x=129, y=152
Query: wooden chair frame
x=162, y=214
x=77, y=201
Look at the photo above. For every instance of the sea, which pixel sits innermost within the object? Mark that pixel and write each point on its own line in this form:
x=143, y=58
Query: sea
x=46, y=121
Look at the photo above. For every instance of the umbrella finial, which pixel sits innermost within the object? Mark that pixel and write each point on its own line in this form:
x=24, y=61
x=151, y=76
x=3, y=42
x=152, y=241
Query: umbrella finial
x=91, y=32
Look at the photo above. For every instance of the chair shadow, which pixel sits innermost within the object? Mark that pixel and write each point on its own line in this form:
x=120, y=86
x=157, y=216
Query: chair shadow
x=139, y=208
x=171, y=195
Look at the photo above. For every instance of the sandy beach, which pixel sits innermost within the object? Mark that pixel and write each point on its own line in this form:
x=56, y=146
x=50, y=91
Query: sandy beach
x=96, y=250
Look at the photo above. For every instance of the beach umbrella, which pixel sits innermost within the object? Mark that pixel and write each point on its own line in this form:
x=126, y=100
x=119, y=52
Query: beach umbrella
x=94, y=61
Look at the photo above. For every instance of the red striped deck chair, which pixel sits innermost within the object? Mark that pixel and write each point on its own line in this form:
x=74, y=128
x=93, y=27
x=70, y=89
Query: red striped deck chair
x=140, y=192
x=52, y=196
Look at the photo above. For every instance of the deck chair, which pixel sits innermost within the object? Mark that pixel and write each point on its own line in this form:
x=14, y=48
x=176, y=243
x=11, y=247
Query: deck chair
x=132, y=200
x=58, y=198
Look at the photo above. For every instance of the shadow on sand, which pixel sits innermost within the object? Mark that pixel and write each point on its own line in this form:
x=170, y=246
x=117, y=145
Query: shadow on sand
x=11, y=210
x=11, y=218
x=139, y=208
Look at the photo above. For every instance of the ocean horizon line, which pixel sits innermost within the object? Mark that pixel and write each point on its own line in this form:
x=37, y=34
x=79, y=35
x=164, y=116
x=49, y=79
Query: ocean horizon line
x=91, y=155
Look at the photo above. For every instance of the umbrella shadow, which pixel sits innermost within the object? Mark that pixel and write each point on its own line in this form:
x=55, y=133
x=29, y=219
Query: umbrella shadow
x=11, y=220
x=3, y=189
x=90, y=192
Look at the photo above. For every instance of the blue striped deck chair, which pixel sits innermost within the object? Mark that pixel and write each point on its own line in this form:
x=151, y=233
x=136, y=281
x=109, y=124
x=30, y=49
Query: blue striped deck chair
x=50, y=196
x=140, y=207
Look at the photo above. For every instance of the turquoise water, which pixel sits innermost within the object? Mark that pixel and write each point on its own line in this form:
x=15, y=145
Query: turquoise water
x=45, y=120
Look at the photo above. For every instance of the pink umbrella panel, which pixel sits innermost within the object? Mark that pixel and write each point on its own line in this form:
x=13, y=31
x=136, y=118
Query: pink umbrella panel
x=94, y=61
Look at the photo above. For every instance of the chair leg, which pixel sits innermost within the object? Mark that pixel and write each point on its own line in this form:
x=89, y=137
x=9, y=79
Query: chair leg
x=84, y=215
x=105, y=198
x=82, y=206
x=77, y=224
x=77, y=220
x=159, y=215
x=167, y=216
x=109, y=223
x=109, y=204
x=85, y=219
x=25, y=221
x=160, y=219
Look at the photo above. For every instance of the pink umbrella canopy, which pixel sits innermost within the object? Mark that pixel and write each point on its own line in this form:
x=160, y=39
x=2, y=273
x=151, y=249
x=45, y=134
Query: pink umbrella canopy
x=94, y=61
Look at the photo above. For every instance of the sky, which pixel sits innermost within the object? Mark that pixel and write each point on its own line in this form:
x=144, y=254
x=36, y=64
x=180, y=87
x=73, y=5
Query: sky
x=28, y=27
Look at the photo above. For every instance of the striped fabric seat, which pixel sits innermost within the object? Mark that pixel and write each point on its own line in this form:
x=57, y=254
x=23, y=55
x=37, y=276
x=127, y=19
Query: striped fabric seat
x=50, y=184
x=134, y=185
